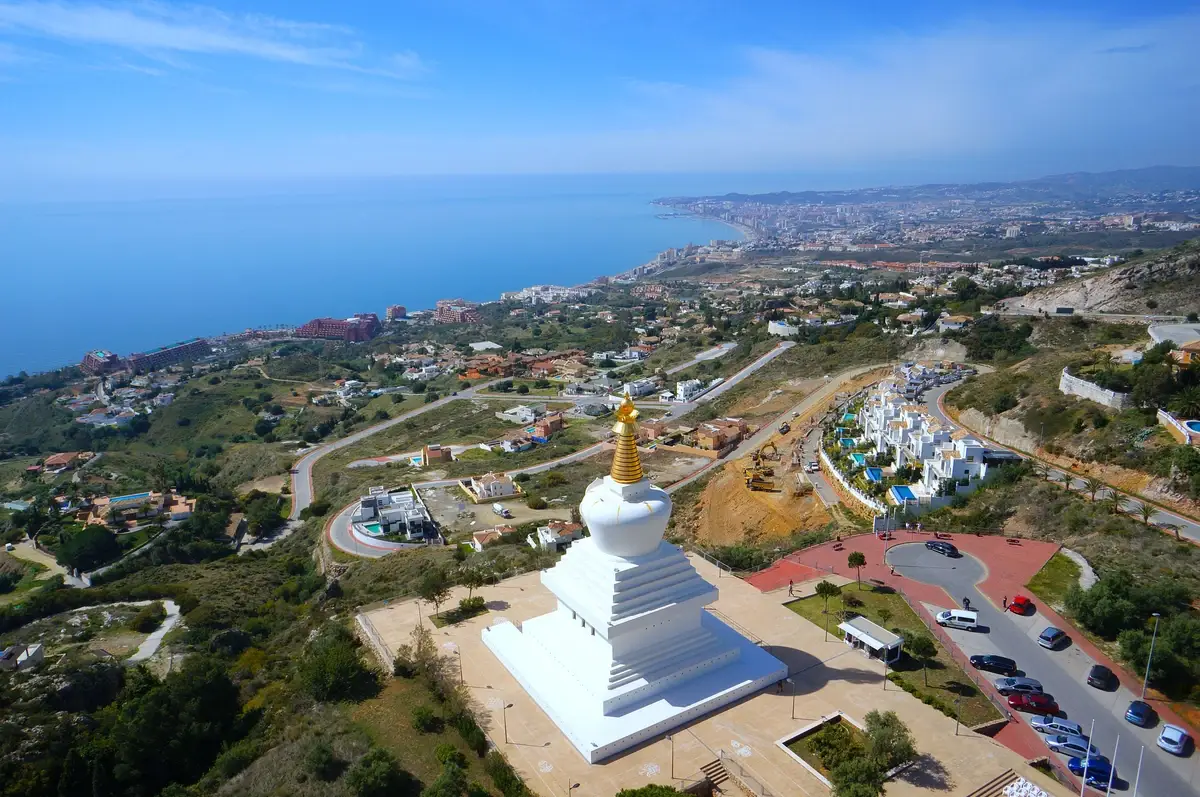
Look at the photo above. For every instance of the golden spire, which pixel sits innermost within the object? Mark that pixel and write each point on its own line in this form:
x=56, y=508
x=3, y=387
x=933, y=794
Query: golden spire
x=627, y=465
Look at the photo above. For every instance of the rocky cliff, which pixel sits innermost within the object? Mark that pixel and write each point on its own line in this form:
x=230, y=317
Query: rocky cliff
x=1163, y=283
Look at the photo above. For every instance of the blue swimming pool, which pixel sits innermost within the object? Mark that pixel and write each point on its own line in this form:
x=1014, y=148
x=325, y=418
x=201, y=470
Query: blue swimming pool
x=372, y=528
x=1192, y=425
x=847, y=442
x=874, y=474
x=901, y=494
x=131, y=497
x=848, y=417
x=859, y=459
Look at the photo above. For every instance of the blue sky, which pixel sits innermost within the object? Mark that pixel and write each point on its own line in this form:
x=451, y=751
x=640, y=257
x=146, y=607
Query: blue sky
x=298, y=89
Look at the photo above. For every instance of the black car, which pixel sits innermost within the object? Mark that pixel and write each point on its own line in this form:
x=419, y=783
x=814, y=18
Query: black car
x=944, y=548
x=1100, y=676
x=1000, y=664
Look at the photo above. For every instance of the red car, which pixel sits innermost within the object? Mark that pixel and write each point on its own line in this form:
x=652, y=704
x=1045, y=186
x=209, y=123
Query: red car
x=1033, y=703
x=1021, y=605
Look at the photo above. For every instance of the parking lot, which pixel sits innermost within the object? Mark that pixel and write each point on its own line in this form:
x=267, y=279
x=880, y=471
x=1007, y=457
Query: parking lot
x=1063, y=672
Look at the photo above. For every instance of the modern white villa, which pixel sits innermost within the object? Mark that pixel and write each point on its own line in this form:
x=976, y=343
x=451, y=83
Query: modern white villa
x=630, y=652
x=950, y=461
x=400, y=514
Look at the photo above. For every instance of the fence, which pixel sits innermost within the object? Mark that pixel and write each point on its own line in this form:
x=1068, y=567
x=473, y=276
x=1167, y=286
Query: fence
x=1177, y=427
x=865, y=500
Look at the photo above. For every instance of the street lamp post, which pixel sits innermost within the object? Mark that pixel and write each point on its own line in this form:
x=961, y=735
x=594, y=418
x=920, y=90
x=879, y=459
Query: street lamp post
x=957, y=700
x=461, y=679
x=1138, y=778
x=671, y=739
x=1150, y=658
x=1112, y=771
x=571, y=787
x=1088, y=758
x=504, y=719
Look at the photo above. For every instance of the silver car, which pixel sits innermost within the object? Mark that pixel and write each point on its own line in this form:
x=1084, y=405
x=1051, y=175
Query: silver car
x=1074, y=746
x=1055, y=725
x=1009, y=686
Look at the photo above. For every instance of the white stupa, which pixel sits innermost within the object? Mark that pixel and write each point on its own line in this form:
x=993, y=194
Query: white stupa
x=630, y=652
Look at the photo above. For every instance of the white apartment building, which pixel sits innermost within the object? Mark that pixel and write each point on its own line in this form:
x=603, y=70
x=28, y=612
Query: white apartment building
x=688, y=389
x=639, y=388
x=961, y=459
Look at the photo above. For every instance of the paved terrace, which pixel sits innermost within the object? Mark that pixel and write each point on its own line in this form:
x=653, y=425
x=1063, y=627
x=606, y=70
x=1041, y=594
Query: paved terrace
x=827, y=677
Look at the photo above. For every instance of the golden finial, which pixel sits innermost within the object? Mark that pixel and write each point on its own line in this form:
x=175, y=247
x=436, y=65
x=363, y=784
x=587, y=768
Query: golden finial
x=627, y=465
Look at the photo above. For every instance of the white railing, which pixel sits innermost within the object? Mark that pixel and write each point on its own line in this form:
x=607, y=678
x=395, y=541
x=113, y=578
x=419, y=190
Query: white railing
x=866, y=500
x=1167, y=419
x=1074, y=386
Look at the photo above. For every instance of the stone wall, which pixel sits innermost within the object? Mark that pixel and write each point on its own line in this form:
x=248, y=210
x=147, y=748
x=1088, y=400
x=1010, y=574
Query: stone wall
x=1074, y=386
x=1005, y=431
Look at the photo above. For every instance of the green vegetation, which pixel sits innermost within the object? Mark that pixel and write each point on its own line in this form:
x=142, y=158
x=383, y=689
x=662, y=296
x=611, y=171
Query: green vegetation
x=938, y=680
x=1055, y=580
x=856, y=762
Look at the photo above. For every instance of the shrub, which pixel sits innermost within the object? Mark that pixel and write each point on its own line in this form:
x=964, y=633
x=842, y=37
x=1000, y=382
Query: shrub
x=472, y=605
x=502, y=774
x=449, y=755
x=321, y=762
x=536, y=502
x=425, y=720
x=377, y=774
x=472, y=734
x=149, y=618
x=332, y=668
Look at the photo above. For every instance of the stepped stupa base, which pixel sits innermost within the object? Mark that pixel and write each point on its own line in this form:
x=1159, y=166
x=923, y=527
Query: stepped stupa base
x=597, y=736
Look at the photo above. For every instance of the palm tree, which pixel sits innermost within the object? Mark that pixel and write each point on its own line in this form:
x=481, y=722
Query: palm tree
x=857, y=560
x=1092, y=485
x=1116, y=502
x=1041, y=470
x=1186, y=403
x=1145, y=512
x=1171, y=527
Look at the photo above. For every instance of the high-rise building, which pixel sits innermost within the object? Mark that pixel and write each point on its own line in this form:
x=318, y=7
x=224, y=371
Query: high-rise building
x=396, y=312
x=100, y=362
x=163, y=356
x=360, y=327
x=456, y=314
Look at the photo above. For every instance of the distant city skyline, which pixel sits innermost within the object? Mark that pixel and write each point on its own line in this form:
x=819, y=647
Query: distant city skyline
x=103, y=94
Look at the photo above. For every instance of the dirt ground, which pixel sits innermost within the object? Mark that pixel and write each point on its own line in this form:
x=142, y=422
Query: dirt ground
x=270, y=484
x=454, y=513
x=729, y=512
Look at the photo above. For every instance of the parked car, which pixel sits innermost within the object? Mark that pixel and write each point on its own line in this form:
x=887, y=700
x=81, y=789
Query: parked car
x=1034, y=703
x=1052, y=637
x=1000, y=664
x=1071, y=745
x=1012, y=686
x=958, y=618
x=1100, y=677
x=1139, y=713
x=1099, y=770
x=1174, y=739
x=944, y=548
x=1021, y=605
x=1056, y=725
x=814, y=466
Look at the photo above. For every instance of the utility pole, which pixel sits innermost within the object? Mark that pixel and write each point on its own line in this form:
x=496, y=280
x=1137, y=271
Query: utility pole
x=1112, y=770
x=1087, y=758
x=1138, y=779
x=1150, y=658
x=507, y=706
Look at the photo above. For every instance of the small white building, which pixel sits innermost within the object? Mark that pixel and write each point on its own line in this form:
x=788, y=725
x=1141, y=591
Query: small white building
x=782, y=330
x=22, y=657
x=522, y=413
x=555, y=536
x=491, y=486
x=401, y=513
x=639, y=388
x=872, y=639
x=688, y=389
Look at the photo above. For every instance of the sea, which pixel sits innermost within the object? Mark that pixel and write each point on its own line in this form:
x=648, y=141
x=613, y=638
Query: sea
x=163, y=264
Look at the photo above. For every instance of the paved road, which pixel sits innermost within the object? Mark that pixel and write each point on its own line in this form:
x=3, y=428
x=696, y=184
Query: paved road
x=711, y=354
x=1163, y=518
x=1062, y=673
x=1178, y=334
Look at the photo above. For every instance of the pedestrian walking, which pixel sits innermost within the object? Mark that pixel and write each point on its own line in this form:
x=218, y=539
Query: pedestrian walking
x=1005, y=603
x=791, y=589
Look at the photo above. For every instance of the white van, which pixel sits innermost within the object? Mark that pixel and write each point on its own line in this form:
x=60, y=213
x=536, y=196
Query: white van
x=1056, y=725
x=959, y=618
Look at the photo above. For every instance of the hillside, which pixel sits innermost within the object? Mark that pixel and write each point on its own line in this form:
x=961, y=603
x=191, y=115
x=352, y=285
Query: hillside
x=1162, y=283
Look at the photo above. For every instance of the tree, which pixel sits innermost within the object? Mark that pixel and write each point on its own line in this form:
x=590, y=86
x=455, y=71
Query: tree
x=826, y=590
x=1092, y=486
x=1186, y=403
x=89, y=548
x=332, y=668
x=1146, y=512
x=858, y=561
x=378, y=774
x=1115, y=502
x=922, y=648
x=857, y=777
x=434, y=588
x=472, y=578
x=885, y=615
x=522, y=389
x=651, y=790
x=889, y=740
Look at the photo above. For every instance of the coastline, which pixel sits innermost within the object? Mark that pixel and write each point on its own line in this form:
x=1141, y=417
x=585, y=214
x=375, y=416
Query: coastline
x=749, y=234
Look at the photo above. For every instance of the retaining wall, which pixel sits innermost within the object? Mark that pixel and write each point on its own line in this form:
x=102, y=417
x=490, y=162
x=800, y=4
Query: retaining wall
x=1074, y=386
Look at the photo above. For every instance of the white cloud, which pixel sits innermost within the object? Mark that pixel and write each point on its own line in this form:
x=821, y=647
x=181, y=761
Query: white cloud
x=160, y=28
